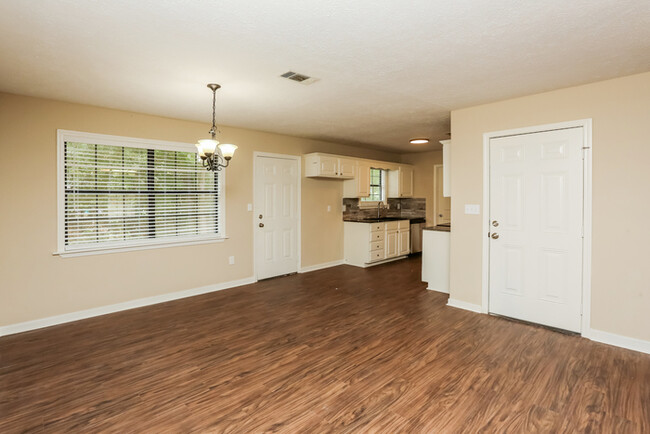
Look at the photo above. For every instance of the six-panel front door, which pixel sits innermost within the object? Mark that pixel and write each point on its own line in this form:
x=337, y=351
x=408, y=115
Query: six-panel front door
x=276, y=216
x=536, y=203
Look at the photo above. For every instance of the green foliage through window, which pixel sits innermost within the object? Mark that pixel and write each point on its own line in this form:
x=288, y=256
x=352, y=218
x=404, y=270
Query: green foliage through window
x=376, y=186
x=119, y=194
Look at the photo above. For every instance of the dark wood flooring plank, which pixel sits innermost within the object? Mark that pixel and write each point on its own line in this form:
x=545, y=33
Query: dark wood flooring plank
x=336, y=350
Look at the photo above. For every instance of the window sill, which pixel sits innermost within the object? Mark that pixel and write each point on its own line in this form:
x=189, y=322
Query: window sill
x=105, y=250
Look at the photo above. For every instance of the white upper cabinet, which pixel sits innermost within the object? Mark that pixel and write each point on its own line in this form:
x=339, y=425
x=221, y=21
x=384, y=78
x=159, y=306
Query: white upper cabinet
x=359, y=186
x=400, y=182
x=446, y=168
x=328, y=166
x=347, y=168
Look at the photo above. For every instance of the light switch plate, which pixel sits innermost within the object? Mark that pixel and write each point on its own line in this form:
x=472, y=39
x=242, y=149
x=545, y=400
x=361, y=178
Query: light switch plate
x=250, y=207
x=329, y=208
x=472, y=208
x=231, y=260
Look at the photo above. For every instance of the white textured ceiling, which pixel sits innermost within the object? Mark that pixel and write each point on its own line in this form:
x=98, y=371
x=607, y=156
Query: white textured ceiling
x=388, y=70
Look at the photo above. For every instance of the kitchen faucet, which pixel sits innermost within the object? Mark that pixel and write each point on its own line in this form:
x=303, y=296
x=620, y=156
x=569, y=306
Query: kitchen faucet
x=379, y=209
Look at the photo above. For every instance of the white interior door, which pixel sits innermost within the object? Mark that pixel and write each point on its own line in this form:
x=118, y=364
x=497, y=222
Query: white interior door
x=276, y=216
x=536, y=203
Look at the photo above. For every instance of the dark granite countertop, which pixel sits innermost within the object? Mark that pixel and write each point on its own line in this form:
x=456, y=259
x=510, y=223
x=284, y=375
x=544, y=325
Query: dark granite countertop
x=385, y=219
x=440, y=228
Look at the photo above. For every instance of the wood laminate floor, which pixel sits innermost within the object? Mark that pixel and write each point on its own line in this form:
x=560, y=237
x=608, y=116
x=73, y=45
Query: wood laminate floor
x=337, y=350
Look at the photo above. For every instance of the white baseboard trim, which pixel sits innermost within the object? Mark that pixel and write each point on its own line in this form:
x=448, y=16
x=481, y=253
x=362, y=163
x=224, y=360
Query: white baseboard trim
x=103, y=310
x=321, y=266
x=618, y=340
x=464, y=305
x=437, y=290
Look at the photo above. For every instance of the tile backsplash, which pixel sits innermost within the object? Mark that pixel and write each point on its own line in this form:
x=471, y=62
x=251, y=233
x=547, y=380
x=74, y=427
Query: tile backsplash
x=407, y=208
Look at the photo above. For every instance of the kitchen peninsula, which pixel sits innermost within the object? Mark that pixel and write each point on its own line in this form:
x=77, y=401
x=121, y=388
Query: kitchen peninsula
x=435, y=257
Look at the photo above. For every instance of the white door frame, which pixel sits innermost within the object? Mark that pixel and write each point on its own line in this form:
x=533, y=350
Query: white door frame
x=436, y=168
x=298, y=159
x=586, y=210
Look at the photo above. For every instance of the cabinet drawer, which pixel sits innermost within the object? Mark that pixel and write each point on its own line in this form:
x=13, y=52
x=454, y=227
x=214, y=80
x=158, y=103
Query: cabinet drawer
x=376, y=227
x=377, y=236
x=376, y=245
x=404, y=224
x=391, y=226
x=376, y=255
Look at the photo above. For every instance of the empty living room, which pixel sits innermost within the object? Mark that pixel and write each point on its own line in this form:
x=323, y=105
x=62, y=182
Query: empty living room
x=324, y=217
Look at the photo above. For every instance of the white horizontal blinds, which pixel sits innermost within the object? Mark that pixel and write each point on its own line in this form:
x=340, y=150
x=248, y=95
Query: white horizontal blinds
x=126, y=195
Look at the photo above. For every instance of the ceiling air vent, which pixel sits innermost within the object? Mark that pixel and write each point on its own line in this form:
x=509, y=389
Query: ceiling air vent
x=300, y=78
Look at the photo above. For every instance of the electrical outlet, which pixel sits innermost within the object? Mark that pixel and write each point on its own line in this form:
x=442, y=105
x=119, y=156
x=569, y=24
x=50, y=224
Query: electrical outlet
x=471, y=208
x=231, y=260
x=329, y=208
x=250, y=207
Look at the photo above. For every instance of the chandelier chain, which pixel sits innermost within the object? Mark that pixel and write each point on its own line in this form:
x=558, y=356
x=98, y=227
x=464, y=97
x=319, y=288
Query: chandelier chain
x=213, y=131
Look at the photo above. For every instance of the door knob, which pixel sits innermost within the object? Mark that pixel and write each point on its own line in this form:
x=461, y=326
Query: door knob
x=260, y=217
x=495, y=223
x=262, y=225
x=495, y=236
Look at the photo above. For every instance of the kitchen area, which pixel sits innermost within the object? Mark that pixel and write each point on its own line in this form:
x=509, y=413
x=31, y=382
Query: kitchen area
x=383, y=219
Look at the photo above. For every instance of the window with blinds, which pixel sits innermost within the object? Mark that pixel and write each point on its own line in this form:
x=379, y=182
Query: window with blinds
x=119, y=196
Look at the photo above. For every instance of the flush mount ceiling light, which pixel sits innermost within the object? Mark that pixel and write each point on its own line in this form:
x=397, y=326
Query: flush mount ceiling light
x=212, y=158
x=419, y=141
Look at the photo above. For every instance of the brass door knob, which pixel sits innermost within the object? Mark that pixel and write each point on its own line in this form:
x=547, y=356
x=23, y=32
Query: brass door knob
x=261, y=225
x=495, y=236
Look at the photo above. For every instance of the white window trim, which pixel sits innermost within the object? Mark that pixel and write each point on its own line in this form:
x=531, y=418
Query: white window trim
x=103, y=139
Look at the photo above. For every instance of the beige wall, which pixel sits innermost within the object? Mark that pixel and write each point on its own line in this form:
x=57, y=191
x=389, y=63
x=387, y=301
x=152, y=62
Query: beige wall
x=35, y=284
x=423, y=163
x=620, y=110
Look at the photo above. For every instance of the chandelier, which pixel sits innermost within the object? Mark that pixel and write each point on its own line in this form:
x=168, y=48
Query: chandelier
x=214, y=156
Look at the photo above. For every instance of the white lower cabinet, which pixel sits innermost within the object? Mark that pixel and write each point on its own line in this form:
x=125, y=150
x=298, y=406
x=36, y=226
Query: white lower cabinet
x=404, y=242
x=391, y=244
x=366, y=244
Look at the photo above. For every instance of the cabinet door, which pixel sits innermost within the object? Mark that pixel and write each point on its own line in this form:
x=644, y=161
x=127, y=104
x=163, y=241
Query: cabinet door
x=404, y=242
x=405, y=182
x=363, y=180
x=328, y=166
x=391, y=244
x=346, y=168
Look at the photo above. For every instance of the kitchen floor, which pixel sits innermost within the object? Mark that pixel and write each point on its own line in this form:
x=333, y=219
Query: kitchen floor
x=337, y=350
